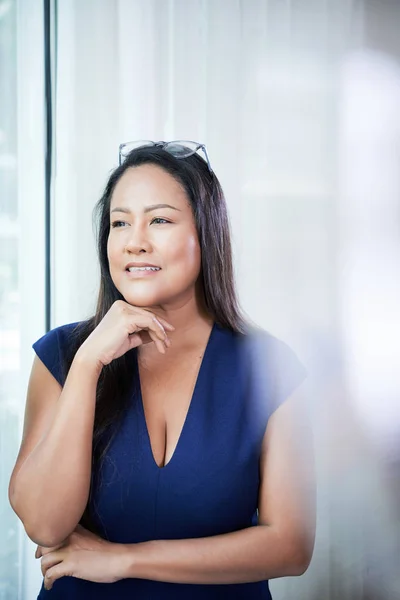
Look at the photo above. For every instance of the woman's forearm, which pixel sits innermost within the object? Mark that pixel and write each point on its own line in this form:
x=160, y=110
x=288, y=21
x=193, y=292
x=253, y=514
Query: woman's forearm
x=249, y=555
x=51, y=488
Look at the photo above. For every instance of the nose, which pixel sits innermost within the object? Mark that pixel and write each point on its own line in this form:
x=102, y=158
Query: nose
x=138, y=241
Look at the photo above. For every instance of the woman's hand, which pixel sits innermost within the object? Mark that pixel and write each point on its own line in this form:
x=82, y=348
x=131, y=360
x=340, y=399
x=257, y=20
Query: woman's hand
x=124, y=327
x=83, y=555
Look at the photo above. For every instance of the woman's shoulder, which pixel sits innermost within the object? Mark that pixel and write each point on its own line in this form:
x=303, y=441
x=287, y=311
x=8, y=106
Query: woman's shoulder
x=57, y=347
x=276, y=365
x=61, y=333
x=263, y=340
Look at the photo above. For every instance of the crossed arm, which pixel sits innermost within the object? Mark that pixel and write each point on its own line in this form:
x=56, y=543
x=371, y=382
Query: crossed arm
x=252, y=554
x=281, y=545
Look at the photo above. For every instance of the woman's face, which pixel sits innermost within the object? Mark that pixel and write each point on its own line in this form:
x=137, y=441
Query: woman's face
x=151, y=223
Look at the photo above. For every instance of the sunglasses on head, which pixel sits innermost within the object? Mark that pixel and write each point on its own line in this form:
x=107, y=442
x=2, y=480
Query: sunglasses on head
x=179, y=149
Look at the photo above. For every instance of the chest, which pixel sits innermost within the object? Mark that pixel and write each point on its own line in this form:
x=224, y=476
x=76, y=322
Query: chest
x=209, y=484
x=167, y=390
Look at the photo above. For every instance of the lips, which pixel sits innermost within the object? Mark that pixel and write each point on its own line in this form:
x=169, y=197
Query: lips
x=142, y=272
x=138, y=264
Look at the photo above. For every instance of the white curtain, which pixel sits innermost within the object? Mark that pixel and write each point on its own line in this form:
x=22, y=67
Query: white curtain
x=262, y=83
x=22, y=257
x=256, y=81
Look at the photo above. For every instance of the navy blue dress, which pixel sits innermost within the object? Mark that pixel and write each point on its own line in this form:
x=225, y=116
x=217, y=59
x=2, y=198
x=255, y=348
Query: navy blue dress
x=211, y=484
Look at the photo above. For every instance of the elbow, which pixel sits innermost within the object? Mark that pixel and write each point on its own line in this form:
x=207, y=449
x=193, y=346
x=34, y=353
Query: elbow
x=12, y=495
x=300, y=558
x=300, y=566
x=41, y=537
x=296, y=551
x=36, y=532
x=14, y=504
x=40, y=529
x=47, y=534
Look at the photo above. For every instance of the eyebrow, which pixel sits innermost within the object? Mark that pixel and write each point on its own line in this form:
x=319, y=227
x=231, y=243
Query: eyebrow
x=146, y=209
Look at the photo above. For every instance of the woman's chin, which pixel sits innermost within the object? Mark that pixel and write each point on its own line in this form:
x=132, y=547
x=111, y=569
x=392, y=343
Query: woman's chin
x=142, y=300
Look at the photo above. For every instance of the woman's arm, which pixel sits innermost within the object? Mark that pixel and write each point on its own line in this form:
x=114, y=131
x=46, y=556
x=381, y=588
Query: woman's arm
x=50, y=483
x=253, y=554
x=281, y=545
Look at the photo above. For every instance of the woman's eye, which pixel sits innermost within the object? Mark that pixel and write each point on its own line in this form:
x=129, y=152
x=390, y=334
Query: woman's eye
x=157, y=220
x=160, y=219
x=117, y=223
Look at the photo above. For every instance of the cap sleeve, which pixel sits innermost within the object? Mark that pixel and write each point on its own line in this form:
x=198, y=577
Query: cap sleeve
x=277, y=368
x=51, y=349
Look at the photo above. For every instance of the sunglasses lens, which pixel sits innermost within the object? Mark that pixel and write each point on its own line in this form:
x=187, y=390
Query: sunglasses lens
x=181, y=149
x=126, y=148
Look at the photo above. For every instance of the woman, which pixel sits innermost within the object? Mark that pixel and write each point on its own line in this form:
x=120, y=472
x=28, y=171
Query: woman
x=163, y=453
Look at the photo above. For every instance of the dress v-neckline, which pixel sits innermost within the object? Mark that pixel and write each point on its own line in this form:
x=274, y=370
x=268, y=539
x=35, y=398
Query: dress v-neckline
x=190, y=410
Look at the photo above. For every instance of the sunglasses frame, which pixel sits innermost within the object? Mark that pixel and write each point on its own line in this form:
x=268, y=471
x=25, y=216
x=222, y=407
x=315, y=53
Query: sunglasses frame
x=164, y=146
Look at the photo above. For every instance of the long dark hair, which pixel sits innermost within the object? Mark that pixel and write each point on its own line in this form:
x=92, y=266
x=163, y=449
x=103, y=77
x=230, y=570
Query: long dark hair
x=207, y=201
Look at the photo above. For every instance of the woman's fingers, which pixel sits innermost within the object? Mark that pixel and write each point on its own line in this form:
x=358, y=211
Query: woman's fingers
x=49, y=561
x=160, y=321
x=158, y=342
x=144, y=337
x=166, y=324
x=155, y=329
x=42, y=550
